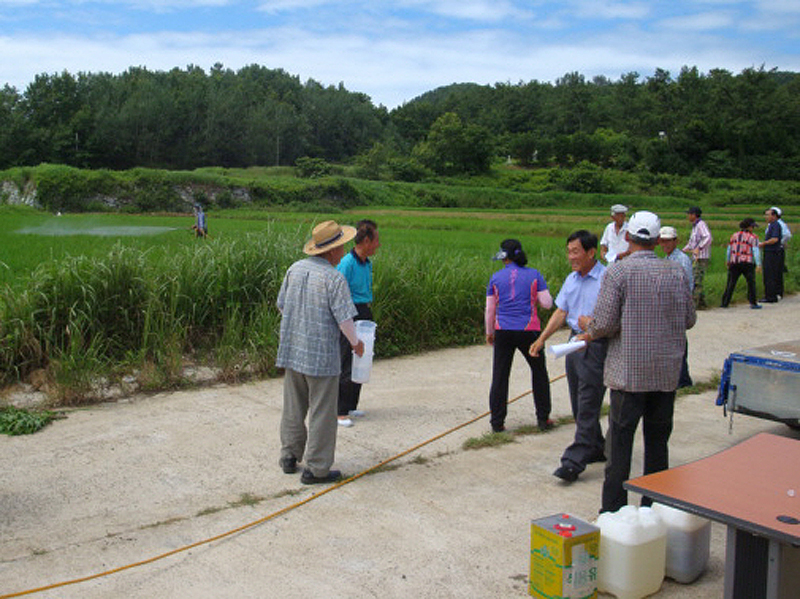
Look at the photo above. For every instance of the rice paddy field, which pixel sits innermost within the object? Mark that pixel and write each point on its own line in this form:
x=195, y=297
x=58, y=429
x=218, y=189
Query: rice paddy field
x=92, y=299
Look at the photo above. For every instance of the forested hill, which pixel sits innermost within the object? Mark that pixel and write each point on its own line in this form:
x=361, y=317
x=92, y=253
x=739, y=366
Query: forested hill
x=717, y=123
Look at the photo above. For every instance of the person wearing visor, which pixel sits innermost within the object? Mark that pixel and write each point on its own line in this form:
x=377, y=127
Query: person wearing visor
x=512, y=324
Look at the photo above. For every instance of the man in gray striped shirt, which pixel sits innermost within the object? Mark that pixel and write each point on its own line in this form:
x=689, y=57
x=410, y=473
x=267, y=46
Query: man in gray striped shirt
x=644, y=308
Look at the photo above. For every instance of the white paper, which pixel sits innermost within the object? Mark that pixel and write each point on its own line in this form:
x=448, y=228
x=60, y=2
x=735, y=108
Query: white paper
x=562, y=349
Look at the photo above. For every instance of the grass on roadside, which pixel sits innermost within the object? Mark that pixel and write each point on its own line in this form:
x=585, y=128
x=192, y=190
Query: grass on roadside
x=493, y=439
x=16, y=421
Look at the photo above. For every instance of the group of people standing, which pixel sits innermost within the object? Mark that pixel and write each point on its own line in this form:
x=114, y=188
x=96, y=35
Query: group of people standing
x=633, y=315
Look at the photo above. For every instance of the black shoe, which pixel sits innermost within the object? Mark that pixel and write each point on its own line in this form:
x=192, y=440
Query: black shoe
x=288, y=465
x=765, y=300
x=566, y=473
x=546, y=425
x=498, y=429
x=308, y=478
x=755, y=306
x=598, y=457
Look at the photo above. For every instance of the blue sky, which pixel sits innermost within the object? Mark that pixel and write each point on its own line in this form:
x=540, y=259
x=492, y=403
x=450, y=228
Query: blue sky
x=394, y=51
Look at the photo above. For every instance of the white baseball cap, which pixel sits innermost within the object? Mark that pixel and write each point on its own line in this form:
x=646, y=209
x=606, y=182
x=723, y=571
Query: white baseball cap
x=618, y=208
x=644, y=225
x=668, y=233
x=777, y=210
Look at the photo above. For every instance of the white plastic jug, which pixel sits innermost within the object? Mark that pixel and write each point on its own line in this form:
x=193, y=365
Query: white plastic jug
x=633, y=551
x=362, y=366
x=688, y=543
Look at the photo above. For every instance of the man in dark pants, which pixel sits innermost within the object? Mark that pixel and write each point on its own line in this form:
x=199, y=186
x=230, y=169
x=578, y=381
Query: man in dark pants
x=574, y=306
x=643, y=308
x=357, y=269
x=773, y=265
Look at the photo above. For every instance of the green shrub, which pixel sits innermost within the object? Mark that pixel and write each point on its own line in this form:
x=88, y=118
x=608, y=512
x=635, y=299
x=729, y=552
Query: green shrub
x=311, y=168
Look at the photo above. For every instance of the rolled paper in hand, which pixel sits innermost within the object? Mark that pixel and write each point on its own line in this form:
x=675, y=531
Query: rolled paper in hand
x=562, y=349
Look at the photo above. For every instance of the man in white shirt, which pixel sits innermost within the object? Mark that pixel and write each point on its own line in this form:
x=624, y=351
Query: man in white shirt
x=613, y=245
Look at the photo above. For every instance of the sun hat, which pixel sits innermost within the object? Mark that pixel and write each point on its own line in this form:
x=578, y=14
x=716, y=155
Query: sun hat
x=644, y=225
x=668, y=233
x=618, y=208
x=328, y=235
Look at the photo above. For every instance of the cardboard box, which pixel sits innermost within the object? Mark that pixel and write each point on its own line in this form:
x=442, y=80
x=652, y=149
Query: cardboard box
x=564, y=556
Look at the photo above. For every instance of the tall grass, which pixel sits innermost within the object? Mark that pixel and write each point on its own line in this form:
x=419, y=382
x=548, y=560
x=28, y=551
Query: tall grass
x=144, y=309
x=86, y=319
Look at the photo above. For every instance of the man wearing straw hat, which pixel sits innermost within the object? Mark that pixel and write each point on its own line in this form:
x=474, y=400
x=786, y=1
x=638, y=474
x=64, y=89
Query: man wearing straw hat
x=315, y=305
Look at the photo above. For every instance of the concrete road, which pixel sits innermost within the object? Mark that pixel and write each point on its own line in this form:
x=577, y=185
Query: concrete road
x=122, y=482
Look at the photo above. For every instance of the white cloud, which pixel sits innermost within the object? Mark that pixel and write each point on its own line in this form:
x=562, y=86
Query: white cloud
x=604, y=10
x=779, y=6
x=275, y=6
x=701, y=22
x=394, y=54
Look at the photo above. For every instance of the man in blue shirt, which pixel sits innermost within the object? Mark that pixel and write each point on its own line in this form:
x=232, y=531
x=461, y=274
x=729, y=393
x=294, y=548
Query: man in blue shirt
x=357, y=270
x=574, y=306
x=772, y=269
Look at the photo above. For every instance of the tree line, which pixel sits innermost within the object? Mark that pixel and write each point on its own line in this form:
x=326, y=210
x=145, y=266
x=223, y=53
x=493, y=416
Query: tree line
x=719, y=124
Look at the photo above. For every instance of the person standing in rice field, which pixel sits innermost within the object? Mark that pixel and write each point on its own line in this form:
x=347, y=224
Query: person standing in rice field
x=200, y=225
x=512, y=324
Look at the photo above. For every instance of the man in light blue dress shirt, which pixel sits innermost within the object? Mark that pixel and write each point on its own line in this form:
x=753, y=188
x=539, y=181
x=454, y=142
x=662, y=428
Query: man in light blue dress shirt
x=575, y=306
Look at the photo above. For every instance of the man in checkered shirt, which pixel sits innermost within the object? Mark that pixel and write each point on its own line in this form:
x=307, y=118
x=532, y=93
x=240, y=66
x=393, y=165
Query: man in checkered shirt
x=644, y=308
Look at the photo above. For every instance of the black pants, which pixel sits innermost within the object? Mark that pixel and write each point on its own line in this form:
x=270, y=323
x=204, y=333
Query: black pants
x=685, y=379
x=773, y=275
x=350, y=392
x=586, y=391
x=746, y=269
x=655, y=409
x=505, y=344
x=784, y=270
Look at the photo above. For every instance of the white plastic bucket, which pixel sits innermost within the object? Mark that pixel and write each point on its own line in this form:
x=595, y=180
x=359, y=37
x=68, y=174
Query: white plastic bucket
x=362, y=366
x=688, y=543
x=633, y=552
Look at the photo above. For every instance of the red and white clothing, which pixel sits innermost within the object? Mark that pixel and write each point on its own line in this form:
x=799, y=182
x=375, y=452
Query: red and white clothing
x=743, y=249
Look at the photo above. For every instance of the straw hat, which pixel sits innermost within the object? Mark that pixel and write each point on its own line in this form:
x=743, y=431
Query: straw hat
x=328, y=235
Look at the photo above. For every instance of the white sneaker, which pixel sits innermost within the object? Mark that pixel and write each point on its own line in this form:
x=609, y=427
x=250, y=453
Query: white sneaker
x=345, y=422
x=356, y=413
